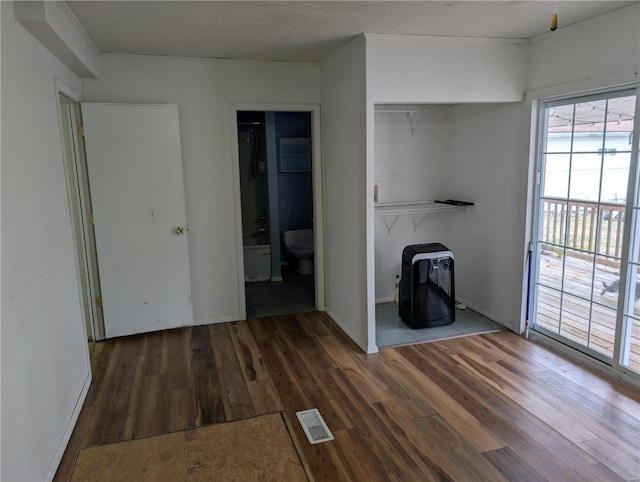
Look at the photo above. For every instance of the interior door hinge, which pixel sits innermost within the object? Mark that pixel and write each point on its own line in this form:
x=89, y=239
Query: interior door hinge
x=91, y=219
x=99, y=302
x=81, y=130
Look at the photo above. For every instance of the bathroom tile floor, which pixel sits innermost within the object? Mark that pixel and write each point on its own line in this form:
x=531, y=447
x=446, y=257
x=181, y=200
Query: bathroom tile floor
x=295, y=294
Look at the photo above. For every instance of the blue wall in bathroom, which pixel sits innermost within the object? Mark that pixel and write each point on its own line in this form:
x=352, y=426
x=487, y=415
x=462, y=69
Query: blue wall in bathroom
x=290, y=193
x=295, y=189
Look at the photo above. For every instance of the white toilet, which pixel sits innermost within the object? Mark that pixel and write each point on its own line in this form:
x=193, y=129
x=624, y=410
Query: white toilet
x=299, y=242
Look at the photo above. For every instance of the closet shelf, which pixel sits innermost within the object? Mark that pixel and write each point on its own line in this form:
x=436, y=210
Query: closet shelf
x=414, y=208
x=422, y=207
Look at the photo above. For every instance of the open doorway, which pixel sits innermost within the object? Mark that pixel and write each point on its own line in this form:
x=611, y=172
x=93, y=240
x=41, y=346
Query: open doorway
x=275, y=166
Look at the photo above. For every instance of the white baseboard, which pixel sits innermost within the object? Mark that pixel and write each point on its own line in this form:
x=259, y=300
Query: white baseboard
x=55, y=463
x=219, y=319
x=362, y=344
x=386, y=299
x=486, y=314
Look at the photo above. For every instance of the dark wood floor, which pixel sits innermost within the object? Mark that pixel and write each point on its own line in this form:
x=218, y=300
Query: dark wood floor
x=485, y=407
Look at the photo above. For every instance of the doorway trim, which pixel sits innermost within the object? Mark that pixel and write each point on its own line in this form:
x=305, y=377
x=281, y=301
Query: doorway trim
x=79, y=205
x=60, y=88
x=318, y=193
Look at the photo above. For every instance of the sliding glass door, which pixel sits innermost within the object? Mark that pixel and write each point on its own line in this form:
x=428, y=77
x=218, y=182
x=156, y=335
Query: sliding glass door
x=586, y=260
x=628, y=355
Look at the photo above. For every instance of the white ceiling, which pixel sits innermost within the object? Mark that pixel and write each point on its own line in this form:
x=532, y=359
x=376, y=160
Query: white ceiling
x=308, y=30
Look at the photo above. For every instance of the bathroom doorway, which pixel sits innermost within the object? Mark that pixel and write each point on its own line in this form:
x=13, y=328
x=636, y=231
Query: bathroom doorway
x=275, y=167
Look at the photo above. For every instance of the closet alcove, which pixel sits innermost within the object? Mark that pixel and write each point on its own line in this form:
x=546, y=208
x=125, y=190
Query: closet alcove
x=416, y=163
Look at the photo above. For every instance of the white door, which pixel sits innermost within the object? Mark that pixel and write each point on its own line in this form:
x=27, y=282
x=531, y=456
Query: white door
x=135, y=176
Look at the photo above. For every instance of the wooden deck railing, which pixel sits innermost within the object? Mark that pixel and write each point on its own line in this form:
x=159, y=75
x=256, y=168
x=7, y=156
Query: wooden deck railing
x=586, y=230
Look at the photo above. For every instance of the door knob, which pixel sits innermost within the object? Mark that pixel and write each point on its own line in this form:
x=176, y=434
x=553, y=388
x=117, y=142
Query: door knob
x=179, y=231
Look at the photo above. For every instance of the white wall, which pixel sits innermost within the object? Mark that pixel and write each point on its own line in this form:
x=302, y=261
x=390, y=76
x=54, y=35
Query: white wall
x=488, y=148
x=45, y=368
x=596, y=54
x=472, y=152
x=411, y=167
x=436, y=70
x=344, y=171
x=408, y=168
x=422, y=69
x=591, y=53
x=204, y=90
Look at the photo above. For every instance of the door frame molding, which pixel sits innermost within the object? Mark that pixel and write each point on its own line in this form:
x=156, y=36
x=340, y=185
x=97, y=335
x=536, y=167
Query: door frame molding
x=318, y=193
x=84, y=247
x=61, y=88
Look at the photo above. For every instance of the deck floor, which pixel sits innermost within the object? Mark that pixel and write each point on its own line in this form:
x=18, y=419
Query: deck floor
x=582, y=316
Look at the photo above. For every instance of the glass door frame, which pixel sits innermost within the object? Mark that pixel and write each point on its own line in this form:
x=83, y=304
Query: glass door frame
x=630, y=254
x=631, y=232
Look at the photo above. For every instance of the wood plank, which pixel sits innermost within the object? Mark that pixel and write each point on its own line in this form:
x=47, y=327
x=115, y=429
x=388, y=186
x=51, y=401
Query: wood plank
x=264, y=396
x=616, y=395
x=587, y=413
x=415, y=405
x=262, y=329
x=446, y=406
x=208, y=397
x=512, y=466
x=176, y=360
x=520, y=430
x=405, y=428
x=144, y=423
x=361, y=465
x=327, y=464
x=367, y=428
x=247, y=352
x=467, y=344
x=454, y=452
x=116, y=418
x=134, y=401
x=102, y=378
x=599, y=471
x=289, y=390
x=234, y=392
x=335, y=349
x=526, y=398
x=336, y=407
x=627, y=467
x=512, y=356
x=182, y=414
x=593, y=407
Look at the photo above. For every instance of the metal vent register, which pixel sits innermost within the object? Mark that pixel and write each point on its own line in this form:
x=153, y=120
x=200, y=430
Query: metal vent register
x=314, y=426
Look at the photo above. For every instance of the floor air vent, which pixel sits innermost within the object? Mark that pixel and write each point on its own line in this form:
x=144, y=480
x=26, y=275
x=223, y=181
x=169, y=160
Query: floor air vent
x=314, y=426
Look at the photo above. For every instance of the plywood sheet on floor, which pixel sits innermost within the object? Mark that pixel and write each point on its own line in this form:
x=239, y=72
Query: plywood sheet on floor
x=258, y=448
